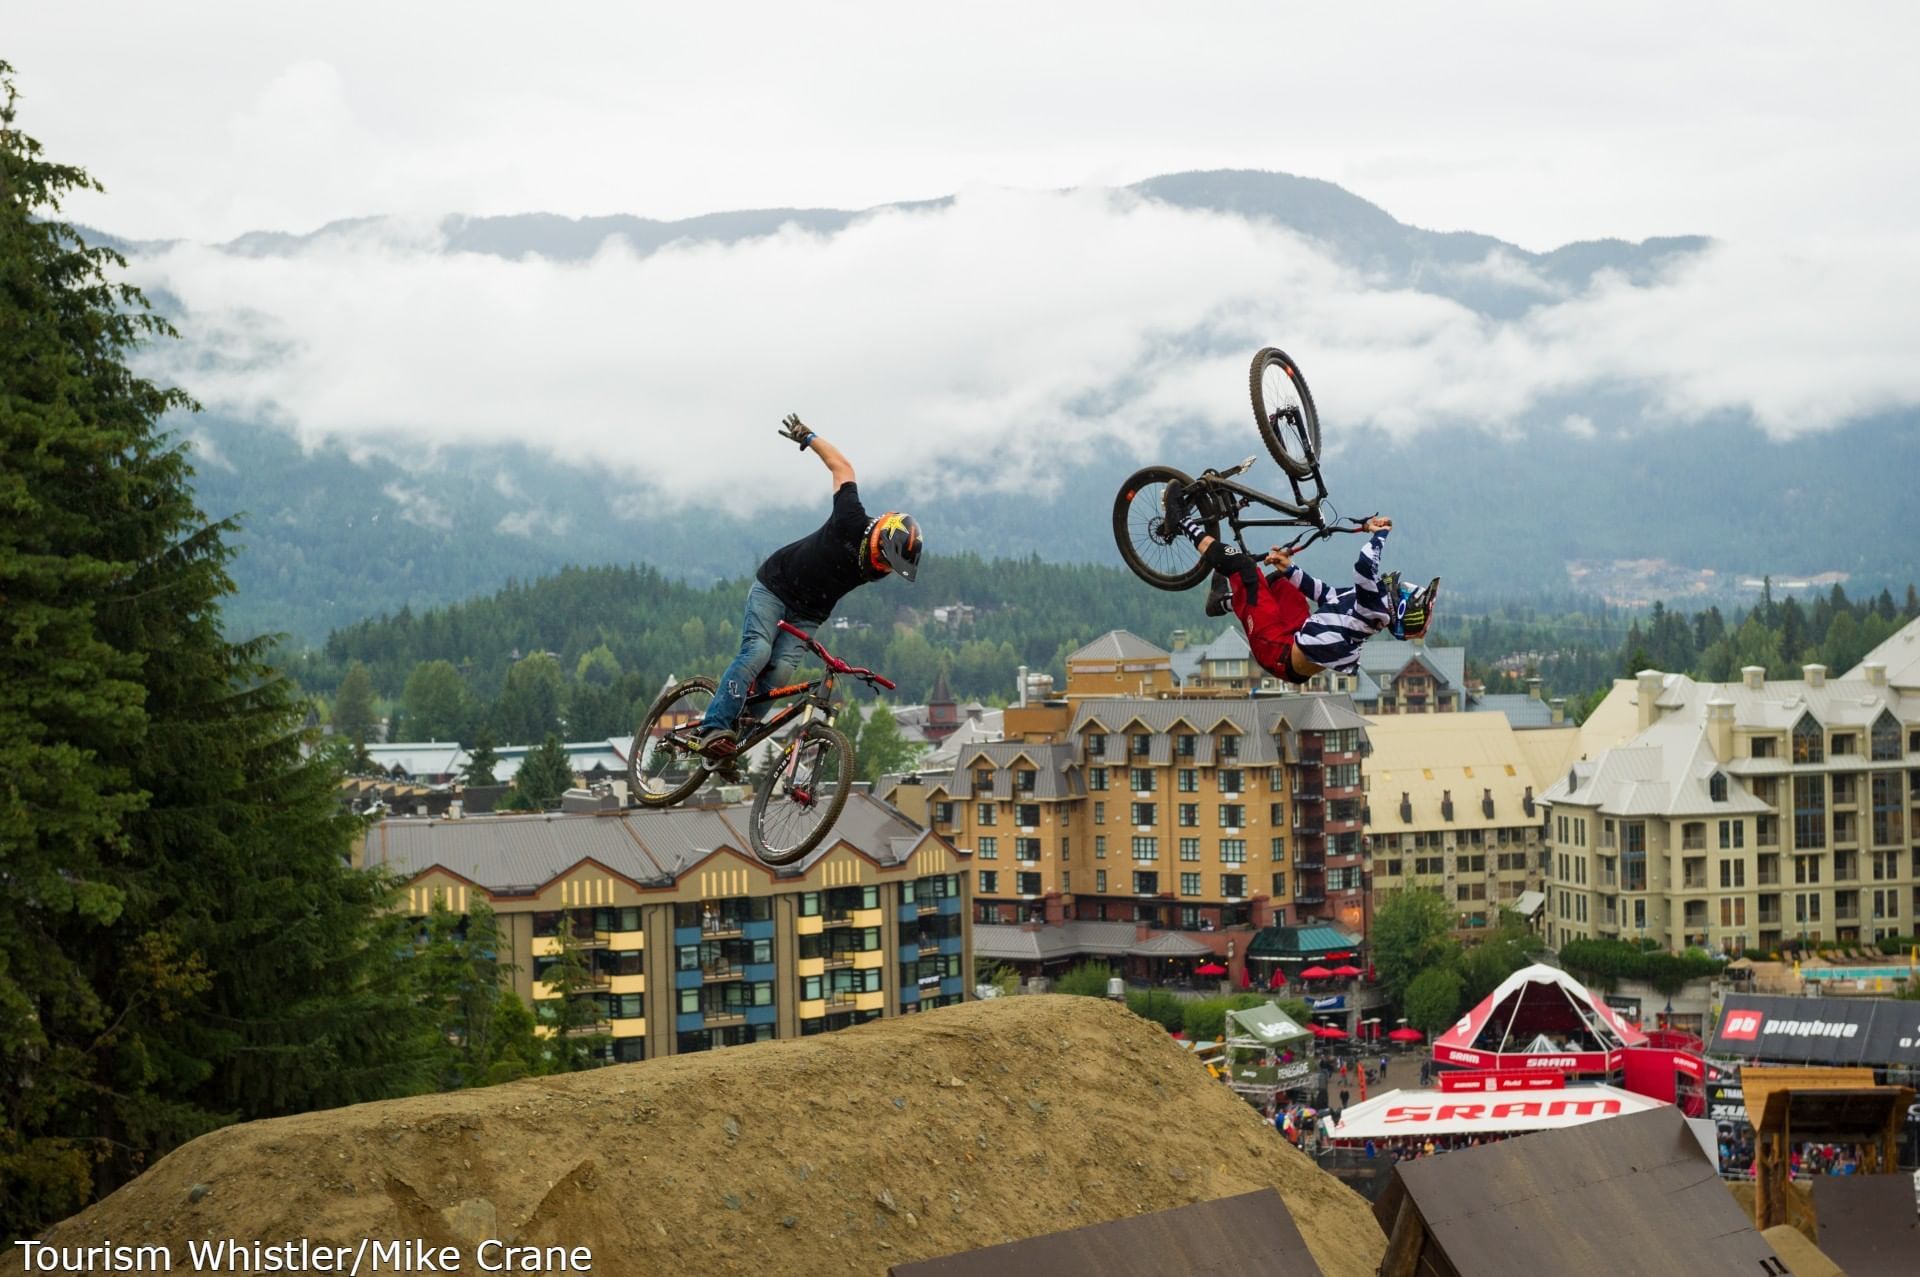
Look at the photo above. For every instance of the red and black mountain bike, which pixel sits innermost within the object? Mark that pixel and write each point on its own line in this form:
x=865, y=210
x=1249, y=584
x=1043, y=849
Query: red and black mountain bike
x=797, y=799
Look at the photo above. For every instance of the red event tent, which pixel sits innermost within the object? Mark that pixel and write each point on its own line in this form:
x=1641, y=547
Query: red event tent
x=1539, y=1017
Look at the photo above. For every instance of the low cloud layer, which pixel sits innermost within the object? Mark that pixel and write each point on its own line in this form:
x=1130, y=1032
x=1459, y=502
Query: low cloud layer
x=993, y=337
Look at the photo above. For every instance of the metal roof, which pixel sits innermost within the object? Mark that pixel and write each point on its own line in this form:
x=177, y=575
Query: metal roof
x=519, y=854
x=1521, y=709
x=1168, y=944
x=1899, y=656
x=1301, y=942
x=1383, y=658
x=1118, y=645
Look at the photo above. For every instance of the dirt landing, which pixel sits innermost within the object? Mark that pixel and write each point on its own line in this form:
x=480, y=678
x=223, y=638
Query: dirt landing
x=848, y=1152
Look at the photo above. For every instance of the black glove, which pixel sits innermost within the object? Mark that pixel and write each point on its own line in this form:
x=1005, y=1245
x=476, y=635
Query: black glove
x=793, y=428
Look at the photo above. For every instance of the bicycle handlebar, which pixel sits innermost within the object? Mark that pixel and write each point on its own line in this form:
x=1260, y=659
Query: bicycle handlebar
x=834, y=663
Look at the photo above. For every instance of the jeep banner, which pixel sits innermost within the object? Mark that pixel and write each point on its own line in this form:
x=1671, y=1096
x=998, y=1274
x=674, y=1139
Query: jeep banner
x=1871, y=1031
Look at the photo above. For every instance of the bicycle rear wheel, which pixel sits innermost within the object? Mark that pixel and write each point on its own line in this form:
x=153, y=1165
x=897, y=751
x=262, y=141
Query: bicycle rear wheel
x=662, y=768
x=1283, y=407
x=1151, y=543
x=797, y=801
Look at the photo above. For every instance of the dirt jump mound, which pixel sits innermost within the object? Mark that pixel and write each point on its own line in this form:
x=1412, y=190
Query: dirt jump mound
x=849, y=1152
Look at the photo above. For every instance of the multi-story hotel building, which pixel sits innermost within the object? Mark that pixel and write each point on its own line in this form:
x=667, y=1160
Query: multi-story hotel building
x=692, y=942
x=1748, y=815
x=1205, y=815
x=1452, y=807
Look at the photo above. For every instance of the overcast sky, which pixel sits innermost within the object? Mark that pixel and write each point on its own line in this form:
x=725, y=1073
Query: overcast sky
x=982, y=332
x=1540, y=123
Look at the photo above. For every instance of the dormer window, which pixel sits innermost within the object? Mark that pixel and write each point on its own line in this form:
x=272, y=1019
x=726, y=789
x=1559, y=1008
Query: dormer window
x=1096, y=744
x=1809, y=742
x=1717, y=787
x=1884, y=746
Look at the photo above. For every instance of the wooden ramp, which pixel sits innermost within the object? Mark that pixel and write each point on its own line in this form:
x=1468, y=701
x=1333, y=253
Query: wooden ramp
x=1867, y=1223
x=1251, y=1235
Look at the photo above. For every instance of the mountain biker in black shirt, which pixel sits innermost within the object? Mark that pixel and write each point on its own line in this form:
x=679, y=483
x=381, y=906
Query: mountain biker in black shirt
x=802, y=581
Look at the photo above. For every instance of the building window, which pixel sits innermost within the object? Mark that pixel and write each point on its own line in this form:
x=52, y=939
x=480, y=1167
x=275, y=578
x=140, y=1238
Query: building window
x=1190, y=849
x=1233, y=886
x=1027, y=778
x=1884, y=745
x=1190, y=815
x=1233, y=851
x=1029, y=815
x=1099, y=846
x=1230, y=779
x=1146, y=884
x=1028, y=884
x=1226, y=746
x=1810, y=811
x=1189, y=884
x=1184, y=744
x=1807, y=743
x=943, y=813
x=1097, y=779
x=1142, y=744
x=1096, y=744
x=1733, y=873
x=1232, y=815
x=1733, y=833
x=1146, y=847
x=1027, y=849
x=1142, y=780
x=989, y=882
x=988, y=848
x=1277, y=849
x=984, y=814
x=1279, y=885
x=1717, y=787
x=1100, y=881
x=1189, y=780
x=1143, y=814
x=983, y=778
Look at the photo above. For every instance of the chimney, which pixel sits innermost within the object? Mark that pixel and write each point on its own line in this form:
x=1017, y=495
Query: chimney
x=1559, y=704
x=1876, y=674
x=1021, y=690
x=1406, y=807
x=1720, y=728
x=1533, y=688
x=1753, y=677
x=1651, y=682
x=1179, y=640
x=1446, y=804
x=1816, y=675
x=1527, y=802
x=1486, y=803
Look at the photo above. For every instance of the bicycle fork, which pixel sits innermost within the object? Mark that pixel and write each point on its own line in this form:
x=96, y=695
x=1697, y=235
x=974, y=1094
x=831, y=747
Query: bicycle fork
x=790, y=767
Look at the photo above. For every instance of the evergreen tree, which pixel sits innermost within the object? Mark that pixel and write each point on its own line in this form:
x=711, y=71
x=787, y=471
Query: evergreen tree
x=353, y=716
x=182, y=942
x=463, y=980
x=531, y=701
x=573, y=1014
x=545, y=774
x=1793, y=631
x=514, y=1047
x=481, y=760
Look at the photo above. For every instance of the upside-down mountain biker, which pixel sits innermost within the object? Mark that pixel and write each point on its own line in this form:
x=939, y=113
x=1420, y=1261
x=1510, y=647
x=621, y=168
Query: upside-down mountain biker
x=1298, y=626
x=802, y=581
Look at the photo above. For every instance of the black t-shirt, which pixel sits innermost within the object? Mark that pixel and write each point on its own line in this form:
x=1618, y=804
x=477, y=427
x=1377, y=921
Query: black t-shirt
x=814, y=573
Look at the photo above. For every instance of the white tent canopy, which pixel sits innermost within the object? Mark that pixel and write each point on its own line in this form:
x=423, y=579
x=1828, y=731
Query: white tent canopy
x=1422, y=1113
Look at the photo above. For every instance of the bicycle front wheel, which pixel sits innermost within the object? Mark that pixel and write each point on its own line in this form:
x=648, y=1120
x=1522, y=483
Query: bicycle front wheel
x=1150, y=542
x=662, y=768
x=797, y=801
x=1283, y=407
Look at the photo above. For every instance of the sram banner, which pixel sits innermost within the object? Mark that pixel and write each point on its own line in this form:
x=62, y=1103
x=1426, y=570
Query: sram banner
x=1500, y=1080
x=1422, y=1113
x=1572, y=1062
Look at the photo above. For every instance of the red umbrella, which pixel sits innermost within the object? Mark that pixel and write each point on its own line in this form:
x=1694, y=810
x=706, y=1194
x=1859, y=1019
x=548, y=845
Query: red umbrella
x=1406, y=1035
x=1318, y=1030
x=1246, y=978
x=1316, y=973
x=1209, y=968
x=1331, y=1033
x=1346, y=972
x=1279, y=978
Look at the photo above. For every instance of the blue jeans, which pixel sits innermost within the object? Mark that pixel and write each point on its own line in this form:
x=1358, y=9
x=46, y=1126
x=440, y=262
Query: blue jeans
x=764, y=650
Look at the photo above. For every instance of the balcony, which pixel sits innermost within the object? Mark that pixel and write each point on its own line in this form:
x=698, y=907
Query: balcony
x=721, y=971
x=1312, y=897
x=721, y=928
x=718, y=1017
x=1313, y=795
x=1770, y=917
x=835, y=961
x=841, y=998
x=837, y=918
x=1309, y=866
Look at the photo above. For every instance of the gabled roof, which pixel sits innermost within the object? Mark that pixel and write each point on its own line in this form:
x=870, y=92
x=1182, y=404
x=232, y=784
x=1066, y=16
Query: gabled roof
x=1054, y=774
x=1664, y=772
x=1118, y=645
x=1231, y=645
x=520, y=854
x=1521, y=709
x=1383, y=659
x=1168, y=944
